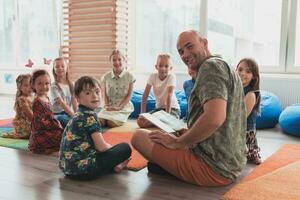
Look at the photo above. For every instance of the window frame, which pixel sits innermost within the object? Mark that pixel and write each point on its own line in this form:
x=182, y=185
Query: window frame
x=291, y=38
x=287, y=46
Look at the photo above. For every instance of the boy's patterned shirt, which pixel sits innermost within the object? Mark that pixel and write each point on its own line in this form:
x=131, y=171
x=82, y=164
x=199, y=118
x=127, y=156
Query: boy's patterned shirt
x=77, y=150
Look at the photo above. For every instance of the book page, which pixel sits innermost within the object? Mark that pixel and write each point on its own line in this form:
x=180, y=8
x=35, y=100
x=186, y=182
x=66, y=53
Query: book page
x=158, y=123
x=113, y=115
x=169, y=120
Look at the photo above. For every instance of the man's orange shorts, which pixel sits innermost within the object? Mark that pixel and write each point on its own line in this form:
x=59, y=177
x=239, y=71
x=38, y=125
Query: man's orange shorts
x=186, y=166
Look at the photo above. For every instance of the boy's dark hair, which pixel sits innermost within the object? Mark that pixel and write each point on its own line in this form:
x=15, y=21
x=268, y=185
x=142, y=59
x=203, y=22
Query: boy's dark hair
x=37, y=73
x=85, y=82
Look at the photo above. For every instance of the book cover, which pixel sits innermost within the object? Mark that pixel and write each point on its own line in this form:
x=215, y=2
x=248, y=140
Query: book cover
x=165, y=121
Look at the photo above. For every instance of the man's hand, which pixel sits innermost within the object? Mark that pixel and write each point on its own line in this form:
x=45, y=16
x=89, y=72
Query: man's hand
x=168, y=140
x=181, y=132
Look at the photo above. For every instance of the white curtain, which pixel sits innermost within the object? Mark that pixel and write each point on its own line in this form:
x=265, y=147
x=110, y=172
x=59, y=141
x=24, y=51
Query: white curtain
x=28, y=30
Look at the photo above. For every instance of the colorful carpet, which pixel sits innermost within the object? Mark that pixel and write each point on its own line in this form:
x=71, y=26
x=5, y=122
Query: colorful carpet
x=286, y=155
x=282, y=183
x=6, y=123
x=5, y=130
x=12, y=143
x=278, y=177
x=112, y=136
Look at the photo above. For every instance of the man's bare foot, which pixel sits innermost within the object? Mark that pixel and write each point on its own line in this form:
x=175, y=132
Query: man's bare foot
x=121, y=166
x=143, y=122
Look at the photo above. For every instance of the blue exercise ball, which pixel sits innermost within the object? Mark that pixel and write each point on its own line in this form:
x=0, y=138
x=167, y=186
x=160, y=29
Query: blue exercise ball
x=289, y=120
x=270, y=111
x=136, y=100
x=182, y=101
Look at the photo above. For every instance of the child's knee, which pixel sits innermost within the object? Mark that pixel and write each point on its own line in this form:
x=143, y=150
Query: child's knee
x=126, y=149
x=102, y=122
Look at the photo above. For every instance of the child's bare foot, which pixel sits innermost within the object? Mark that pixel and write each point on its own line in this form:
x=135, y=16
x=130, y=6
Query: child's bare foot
x=257, y=160
x=55, y=153
x=11, y=135
x=121, y=166
x=102, y=122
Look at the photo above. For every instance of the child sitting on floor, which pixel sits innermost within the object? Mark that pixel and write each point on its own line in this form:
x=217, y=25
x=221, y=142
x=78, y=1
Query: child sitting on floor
x=249, y=74
x=118, y=88
x=46, y=131
x=61, y=92
x=164, y=84
x=84, y=154
x=188, y=85
x=23, y=108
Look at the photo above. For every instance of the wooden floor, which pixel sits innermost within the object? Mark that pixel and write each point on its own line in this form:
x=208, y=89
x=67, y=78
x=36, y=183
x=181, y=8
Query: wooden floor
x=24, y=175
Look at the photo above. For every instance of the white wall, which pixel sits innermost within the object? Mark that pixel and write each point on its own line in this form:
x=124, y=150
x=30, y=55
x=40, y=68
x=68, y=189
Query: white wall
x=8, y=78
x=285, y=86
x=8, y=82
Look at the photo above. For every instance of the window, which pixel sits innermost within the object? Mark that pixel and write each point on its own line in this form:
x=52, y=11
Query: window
x=245, y=28
x=297, y=51
x=157, y=25
x=29, y=30
x=7, y=32
x=262, y=29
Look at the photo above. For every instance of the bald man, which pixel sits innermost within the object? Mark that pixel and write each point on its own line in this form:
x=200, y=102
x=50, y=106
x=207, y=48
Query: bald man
x=212, y=151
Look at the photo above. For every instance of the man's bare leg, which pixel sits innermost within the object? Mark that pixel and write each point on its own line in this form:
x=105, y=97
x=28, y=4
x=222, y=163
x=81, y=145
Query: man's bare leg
x=142, y=143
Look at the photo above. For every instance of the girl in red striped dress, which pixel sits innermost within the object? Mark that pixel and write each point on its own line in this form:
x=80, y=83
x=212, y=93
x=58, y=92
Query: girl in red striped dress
x=46, y=131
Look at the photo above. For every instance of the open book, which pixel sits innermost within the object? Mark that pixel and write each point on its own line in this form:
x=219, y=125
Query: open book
x=164, y=121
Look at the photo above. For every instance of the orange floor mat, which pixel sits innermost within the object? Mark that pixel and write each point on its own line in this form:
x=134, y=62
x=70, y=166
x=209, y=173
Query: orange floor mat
x=137, y=161
x=273, y=178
